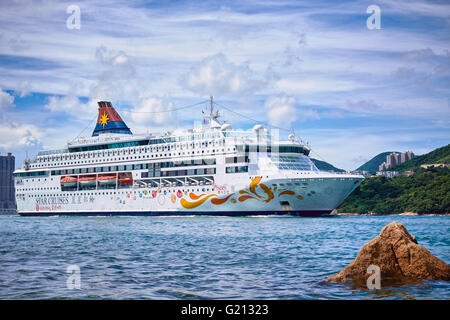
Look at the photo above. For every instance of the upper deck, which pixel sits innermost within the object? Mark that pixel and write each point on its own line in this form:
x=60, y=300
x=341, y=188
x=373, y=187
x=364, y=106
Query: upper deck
x=206, y=141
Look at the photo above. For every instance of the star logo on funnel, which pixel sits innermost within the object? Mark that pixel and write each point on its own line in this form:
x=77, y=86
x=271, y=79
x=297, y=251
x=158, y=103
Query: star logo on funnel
x=104, y=119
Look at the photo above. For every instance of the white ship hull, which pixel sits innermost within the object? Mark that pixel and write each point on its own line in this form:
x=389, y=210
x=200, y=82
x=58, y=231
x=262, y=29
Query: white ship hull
x=304, y=197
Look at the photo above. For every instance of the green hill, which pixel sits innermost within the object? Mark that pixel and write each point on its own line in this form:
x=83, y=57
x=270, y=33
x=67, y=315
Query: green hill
x=424, y=192
x=440, y=155
x=325, y=166
x=373, y=164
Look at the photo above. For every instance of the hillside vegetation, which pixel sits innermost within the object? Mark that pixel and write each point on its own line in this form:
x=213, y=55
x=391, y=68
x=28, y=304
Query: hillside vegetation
x=427, y=191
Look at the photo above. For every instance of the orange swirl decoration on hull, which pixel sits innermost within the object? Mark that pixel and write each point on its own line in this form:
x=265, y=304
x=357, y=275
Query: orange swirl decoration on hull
x=191, y=205
x=289, y=192
x=193, y=196
x=253, y=184
x=268, y=191
x=243, y=198
x=245, y=195
x=217, y=201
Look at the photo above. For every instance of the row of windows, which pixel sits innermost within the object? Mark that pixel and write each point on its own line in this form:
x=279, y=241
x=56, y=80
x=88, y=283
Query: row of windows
x=106, y=152
x=185, y=163
x=298, y=162
x=294, y=166
x=54, y=188
x=31, y=174
x=276, y=149
x=174, y=173
x=40, y=189
x=114, y=192
x=137, y=192
x=140, y=166
x=236, y=169
x=199, y=136
x=110, y=146
x=139, y=142
x=284, y=158
x=236, y=159
x=128, y=158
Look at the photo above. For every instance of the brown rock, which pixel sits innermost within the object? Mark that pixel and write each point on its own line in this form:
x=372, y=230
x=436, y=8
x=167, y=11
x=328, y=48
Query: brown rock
x=399, y=257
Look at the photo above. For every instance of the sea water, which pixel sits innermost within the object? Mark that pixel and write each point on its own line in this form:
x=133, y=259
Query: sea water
x=200, y=257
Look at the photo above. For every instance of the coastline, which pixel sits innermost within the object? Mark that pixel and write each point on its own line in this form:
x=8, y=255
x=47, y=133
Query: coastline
x=407, y=214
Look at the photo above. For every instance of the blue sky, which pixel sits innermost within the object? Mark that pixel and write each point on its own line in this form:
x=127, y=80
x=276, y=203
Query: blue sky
x=313, y=66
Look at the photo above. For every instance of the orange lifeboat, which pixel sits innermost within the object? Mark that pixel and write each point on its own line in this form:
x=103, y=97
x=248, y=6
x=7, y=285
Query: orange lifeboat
x=126, y=180
x=69, y=181
x=107, y=180
x=87, y=181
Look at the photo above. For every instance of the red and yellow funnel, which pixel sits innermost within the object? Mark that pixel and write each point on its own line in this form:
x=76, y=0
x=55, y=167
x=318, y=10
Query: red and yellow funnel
x=109, y=121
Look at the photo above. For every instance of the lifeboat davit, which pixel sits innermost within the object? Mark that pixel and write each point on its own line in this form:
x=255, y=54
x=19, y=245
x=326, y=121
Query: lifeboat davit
x=87, y=181
x=69, y=181
x=107, y=180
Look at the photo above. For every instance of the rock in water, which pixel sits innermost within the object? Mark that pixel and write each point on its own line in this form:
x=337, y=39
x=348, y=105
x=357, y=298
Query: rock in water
x=399, y=257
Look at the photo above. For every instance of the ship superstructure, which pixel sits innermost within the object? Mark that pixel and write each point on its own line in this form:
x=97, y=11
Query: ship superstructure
x=209, y=170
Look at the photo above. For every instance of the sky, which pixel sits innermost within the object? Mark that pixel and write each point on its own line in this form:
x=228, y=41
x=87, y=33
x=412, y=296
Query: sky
x=314, y=67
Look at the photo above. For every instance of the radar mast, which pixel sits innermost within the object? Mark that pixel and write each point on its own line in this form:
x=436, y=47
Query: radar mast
x=213, y=122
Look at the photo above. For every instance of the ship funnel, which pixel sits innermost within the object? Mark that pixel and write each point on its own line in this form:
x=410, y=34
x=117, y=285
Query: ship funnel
x=109, y=121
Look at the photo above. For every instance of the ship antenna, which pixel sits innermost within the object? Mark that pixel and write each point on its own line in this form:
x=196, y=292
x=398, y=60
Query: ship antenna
x=212, y=117
x=26, y=162
x=211, y=99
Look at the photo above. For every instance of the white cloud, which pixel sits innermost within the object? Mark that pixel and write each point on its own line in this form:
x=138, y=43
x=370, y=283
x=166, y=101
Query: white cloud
x=281, y=110
x=23, y=88
x=216, y=75
x=14, y=135
x=152, y=110
x=67, y=104
x=117, y=79
x=72, y=105
x=6, y=100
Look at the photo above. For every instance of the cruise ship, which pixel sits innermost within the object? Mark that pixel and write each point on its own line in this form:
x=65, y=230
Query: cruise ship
x=211, y=169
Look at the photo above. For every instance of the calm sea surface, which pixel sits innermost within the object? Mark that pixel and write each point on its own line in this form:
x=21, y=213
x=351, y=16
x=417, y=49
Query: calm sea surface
x=201, y=257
